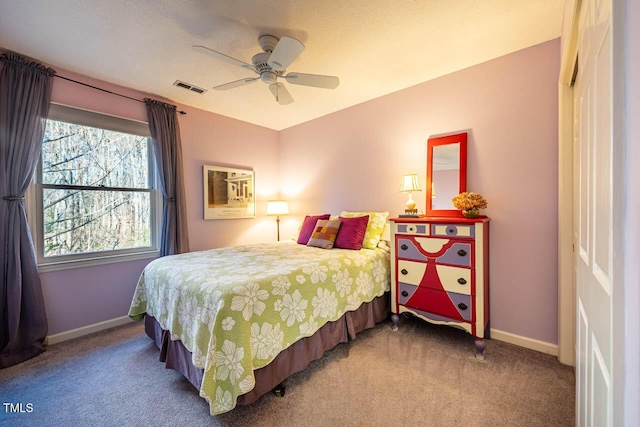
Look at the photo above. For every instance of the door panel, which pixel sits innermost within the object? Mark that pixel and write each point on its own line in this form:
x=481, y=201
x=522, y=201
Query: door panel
x=602, y=158
x=582, y=349
x=600, y=390
x=584, y=170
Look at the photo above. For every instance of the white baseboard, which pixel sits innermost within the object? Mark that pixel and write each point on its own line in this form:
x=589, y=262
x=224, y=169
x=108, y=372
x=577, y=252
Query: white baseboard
x=497, y=334
x=529, y=343
x=86, y=330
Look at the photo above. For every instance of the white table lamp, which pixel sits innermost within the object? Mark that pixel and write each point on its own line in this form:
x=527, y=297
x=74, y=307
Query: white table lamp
x=410, y=184
x=277, y=208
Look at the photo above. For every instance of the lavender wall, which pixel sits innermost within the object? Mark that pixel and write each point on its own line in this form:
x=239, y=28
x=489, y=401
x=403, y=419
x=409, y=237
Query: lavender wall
x=83, y=296
x=211, y=139
x=354, y=160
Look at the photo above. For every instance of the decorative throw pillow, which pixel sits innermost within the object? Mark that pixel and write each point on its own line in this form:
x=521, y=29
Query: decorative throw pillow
x=324, y=234
x=375, y=226
x=307, y=227
x=386, y=234
x=351, y=234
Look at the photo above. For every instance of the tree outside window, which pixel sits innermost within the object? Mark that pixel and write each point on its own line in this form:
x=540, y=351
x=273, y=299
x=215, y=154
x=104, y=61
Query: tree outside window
x=96, y=190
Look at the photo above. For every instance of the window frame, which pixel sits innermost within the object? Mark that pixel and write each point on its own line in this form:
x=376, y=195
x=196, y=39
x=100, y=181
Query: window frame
x=34, y=196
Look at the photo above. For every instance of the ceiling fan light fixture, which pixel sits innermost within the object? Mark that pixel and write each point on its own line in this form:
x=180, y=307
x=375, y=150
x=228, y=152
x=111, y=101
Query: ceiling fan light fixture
x=268, y=77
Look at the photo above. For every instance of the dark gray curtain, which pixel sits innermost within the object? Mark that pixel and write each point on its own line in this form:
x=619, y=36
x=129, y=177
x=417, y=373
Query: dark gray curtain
x=25, y=95
x=165, y=132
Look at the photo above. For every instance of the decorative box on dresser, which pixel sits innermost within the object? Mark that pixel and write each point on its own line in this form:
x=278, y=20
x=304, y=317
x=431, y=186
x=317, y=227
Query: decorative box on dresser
x=440, y=272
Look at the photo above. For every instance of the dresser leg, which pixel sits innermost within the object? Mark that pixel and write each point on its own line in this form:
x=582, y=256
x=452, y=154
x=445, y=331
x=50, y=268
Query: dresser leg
x=480, y=346
x=394, y=321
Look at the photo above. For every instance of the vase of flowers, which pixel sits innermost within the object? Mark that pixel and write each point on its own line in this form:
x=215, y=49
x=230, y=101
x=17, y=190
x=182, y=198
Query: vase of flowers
x=469, y=203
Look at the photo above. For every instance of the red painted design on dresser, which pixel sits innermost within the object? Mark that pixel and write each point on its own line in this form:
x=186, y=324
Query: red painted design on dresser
x=431, y=296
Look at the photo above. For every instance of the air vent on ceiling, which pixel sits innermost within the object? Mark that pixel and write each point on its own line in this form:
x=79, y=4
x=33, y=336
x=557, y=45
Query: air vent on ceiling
x=188, y=86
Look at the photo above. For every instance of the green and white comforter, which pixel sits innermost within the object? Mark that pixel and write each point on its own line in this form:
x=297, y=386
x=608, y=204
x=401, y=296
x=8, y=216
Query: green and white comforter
x=236, y=308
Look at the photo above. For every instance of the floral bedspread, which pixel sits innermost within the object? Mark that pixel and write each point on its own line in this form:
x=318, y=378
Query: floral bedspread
x=236, y=308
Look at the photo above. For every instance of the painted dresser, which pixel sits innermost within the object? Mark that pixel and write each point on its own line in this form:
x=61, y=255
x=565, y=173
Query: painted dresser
x=440, y=272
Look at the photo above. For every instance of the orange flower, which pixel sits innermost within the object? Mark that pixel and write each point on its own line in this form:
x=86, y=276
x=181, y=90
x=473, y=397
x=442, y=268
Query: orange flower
x=468, y=200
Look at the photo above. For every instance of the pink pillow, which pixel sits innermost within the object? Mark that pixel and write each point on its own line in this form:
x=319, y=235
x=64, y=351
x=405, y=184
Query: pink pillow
x=351, y=233
x=308, y=225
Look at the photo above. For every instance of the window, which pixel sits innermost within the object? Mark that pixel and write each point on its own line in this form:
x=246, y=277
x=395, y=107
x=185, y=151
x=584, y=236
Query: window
x=95, y=189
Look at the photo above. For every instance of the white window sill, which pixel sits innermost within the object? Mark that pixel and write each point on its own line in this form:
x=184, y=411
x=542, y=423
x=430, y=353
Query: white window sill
x=96, y=260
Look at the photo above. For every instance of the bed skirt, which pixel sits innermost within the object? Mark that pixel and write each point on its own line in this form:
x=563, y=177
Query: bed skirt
x=293, y=359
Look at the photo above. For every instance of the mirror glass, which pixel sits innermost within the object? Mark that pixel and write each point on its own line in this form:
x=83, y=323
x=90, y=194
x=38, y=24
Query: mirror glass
x=446, y=176
x=446, y=173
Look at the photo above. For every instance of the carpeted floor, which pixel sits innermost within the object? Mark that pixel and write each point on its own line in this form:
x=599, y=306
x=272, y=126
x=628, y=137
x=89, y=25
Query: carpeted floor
x=421, y=375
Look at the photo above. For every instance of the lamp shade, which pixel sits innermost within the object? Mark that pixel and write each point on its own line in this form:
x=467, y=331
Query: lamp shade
x=410, y=183
x=277, y=207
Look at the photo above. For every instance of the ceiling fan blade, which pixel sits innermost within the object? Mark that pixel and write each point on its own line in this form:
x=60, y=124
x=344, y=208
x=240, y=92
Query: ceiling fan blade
x=281, y=93
x=315, y=80
x=222, y=56
x=285, y=52
x=236, y=83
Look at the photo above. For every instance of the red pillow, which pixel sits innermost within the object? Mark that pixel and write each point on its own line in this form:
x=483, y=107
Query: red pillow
x=351, y=233
x=307, y=227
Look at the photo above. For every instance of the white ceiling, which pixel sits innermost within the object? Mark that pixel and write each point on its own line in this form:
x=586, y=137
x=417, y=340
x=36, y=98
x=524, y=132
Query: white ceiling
x=375, y=47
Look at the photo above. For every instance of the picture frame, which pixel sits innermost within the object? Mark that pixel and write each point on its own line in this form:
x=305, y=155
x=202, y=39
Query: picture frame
x=228, y=193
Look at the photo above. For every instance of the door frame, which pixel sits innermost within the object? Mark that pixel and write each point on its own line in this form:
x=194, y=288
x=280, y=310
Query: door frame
x=566, y=271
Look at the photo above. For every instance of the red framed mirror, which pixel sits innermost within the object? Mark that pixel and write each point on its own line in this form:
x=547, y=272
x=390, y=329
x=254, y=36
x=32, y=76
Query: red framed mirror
x=446, y=173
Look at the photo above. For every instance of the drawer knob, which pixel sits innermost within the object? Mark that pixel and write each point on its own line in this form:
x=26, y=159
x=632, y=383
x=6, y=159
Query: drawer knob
x=462, y=252
x=462, y=306
x=404, y=271
x=462, y=281
x=404, y=247
x=404, y=293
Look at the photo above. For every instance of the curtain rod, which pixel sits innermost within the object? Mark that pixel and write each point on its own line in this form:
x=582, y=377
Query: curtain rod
x=104, y=90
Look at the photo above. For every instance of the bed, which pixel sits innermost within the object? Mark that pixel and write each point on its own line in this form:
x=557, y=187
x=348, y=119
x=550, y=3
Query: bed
x=237, y=321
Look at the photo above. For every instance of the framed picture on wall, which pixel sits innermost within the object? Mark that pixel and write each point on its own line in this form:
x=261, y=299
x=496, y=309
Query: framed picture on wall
x=228, y=193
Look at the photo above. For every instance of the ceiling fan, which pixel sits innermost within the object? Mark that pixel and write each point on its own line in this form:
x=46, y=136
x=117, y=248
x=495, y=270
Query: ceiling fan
x=271, y=65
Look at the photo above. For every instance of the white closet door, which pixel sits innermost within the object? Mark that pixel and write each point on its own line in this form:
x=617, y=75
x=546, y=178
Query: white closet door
x=593, y=215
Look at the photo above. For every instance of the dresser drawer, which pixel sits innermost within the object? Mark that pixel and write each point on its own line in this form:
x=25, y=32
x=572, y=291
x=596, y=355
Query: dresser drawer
x=447, y=304
x=453, y=230
x=407, y=249
x=448, y=278
x=422, y=229
x=445, y=251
